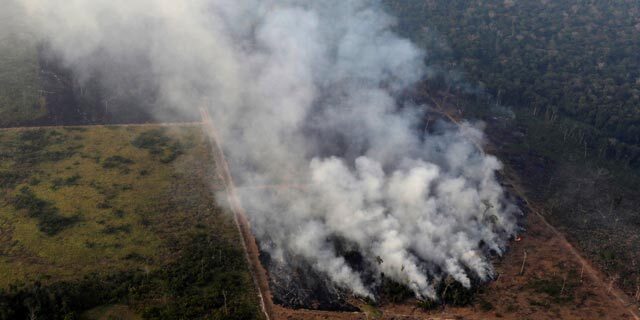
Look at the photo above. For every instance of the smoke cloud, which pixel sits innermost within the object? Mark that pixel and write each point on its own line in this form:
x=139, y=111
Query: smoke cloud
x=304, y=93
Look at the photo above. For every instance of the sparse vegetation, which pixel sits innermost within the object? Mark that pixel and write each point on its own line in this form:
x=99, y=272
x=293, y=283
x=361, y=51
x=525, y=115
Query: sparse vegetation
x=557, y=289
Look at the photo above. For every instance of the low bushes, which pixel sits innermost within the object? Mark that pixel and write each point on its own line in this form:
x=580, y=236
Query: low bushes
x=57, y=183
x=50, y=221
x=158, y=143
x=116, y=162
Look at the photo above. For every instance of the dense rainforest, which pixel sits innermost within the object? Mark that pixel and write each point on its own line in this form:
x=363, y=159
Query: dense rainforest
x=575, y=63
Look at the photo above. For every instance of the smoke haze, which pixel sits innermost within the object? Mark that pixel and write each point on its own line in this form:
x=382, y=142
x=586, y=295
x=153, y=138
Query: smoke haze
x=304, y=93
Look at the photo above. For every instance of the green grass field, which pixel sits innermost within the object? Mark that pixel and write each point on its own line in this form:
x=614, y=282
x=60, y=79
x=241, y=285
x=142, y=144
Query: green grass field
x=122, y=215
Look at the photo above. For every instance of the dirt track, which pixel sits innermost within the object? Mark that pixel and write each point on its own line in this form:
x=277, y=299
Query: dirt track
x=259, y=274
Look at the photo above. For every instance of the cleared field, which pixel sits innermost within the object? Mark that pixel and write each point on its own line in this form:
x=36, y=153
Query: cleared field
x=541, y=276
x=116, y=220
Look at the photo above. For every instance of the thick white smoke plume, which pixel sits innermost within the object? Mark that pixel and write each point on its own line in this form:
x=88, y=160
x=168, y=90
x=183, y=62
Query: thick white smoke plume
x=304, y=93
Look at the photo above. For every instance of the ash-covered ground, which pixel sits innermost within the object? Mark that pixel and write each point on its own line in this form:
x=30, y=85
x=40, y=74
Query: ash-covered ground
x=297, y=285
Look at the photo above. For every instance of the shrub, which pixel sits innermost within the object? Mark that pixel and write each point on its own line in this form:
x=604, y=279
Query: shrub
x=119, y=213
x=34, y=181
x=485, y=305
x=428, y=304
x=453, y=293
x=104, y=205
x=175, y=150
x=49, y=219
x=116, y=162
x=9, y=179
x=556, y=288
x=158, y=143
x=153, y=140
x=31, y=146
x=394, y=291
x=117, y=229
x=69, y=181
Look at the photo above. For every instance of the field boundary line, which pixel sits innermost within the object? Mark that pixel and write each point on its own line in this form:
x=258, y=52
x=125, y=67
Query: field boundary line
x=258, y=273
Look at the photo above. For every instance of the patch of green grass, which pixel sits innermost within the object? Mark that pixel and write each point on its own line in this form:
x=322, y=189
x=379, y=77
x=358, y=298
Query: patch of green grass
x=135, y=239
x=557, y=290
x=372, y=312
x=76, y=129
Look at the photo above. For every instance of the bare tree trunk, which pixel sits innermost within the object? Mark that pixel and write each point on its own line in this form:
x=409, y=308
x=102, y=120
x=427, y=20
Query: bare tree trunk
x=32, y=313
x=585, y=149
x=224, y=294
x=202, y=268
x=524, y=259
x=610, y=286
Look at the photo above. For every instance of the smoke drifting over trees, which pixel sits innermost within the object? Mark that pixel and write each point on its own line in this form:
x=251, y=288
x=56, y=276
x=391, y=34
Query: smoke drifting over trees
x=304, y=91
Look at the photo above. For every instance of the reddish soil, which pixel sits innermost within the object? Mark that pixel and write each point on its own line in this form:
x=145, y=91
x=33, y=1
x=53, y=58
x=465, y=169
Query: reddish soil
x=514, y=296
x=259, y=274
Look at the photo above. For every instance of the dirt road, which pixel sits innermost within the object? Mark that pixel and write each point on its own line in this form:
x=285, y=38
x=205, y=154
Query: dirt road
x=260, y=277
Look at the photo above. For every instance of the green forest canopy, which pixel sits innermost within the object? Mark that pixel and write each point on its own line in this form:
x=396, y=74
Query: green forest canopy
x=574, y=59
